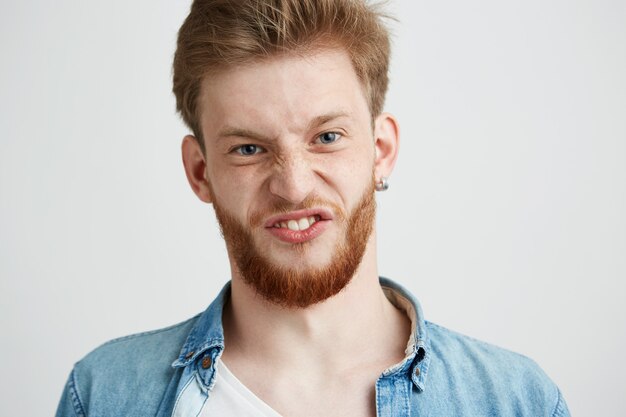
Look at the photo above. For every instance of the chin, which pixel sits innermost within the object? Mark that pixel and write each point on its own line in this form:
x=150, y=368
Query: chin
x=299, y=262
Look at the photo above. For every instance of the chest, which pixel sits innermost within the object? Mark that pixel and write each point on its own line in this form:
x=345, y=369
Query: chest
x=346, y=401
x=351, y=395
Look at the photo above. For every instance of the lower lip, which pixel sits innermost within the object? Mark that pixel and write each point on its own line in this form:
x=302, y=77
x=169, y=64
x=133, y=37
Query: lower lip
x=299, y=236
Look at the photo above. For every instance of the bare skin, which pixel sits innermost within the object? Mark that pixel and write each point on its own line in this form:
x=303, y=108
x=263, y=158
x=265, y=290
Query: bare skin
x=322, y=360
x=333, y=351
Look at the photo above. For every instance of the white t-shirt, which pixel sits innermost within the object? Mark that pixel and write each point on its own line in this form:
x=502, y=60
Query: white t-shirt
x=230, y=398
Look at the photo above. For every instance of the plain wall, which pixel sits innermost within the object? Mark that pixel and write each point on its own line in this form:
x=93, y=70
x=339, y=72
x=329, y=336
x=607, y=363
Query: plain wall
x=505, y=214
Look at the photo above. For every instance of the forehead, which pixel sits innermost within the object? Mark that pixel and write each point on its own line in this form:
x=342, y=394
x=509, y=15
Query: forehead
x=285, y=92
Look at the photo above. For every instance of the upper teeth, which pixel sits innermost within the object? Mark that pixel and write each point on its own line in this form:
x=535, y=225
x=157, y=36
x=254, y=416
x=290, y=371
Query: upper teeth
x=295, y=225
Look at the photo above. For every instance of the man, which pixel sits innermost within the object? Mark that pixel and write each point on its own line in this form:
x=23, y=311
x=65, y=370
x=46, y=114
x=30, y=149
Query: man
x=284, y=99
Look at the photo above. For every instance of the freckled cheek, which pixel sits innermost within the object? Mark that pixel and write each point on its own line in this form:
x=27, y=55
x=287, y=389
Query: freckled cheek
x=229, y=188
x=352, y=177
x=241, y=194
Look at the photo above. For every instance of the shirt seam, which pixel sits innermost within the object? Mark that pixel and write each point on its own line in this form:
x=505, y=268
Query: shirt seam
x=558, y=407
x=180, y=394
x=477, y=341
x=79, y=410
x=199, y=414
x=150, y=332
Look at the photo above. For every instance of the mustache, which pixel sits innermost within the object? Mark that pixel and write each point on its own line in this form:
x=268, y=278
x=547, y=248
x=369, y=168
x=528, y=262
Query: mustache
x=282, y=207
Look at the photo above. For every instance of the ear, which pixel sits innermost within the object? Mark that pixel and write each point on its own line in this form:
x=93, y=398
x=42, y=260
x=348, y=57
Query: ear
x=195, y=168
x=386, y=143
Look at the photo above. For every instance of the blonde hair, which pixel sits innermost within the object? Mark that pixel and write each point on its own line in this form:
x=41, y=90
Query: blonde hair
x=218, y=34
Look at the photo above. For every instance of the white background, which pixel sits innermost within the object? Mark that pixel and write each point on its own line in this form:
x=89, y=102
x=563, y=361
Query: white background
x=505, y=214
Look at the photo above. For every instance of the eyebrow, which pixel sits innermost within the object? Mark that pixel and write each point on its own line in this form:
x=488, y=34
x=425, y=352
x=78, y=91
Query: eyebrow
x=325, y=118
x=230, y=131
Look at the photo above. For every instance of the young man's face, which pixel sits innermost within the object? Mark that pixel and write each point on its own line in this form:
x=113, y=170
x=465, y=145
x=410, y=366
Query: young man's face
x=290, y=157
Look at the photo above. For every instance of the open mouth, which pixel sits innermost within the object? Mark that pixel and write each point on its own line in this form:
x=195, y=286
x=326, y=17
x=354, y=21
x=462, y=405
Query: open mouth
x=299, y=226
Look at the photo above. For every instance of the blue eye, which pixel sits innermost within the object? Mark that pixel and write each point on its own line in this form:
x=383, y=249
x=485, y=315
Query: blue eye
x=329, y=137
x=248, y=150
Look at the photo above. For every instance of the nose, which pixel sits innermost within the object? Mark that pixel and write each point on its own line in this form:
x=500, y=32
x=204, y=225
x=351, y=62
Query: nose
x=292, y=179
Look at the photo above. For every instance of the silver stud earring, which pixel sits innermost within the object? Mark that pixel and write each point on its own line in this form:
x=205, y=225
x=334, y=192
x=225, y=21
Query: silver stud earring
x=382, y=184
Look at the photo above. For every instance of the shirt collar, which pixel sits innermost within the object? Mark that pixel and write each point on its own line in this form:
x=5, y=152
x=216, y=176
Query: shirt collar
x=417, y=354
x=208, y=333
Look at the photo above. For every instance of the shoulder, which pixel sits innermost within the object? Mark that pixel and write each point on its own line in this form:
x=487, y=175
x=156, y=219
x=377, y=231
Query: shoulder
x=454, y=346
x=130, y=371
x=152, y=346
x=484, y=374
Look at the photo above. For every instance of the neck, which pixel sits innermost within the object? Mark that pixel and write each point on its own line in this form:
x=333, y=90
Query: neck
x=357, y=324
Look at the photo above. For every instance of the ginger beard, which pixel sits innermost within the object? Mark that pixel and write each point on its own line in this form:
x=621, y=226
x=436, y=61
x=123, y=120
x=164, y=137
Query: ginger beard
x=292, y=288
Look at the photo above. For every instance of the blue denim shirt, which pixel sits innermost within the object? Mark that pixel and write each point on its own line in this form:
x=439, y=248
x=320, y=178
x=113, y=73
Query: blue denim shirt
x=171, y=372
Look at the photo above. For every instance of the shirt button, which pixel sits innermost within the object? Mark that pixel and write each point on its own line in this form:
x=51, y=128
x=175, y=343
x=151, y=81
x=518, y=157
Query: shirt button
x=206, y=362
x=417, y=371
x=189, y=354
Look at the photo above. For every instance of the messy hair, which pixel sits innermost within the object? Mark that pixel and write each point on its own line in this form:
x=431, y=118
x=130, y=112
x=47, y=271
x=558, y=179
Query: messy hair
x=218, y=34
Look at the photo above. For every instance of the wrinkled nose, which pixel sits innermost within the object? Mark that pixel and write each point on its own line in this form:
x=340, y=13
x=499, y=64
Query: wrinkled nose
x=292, y=180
